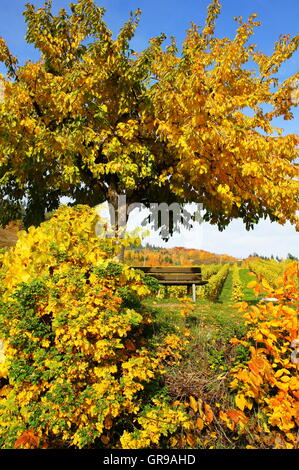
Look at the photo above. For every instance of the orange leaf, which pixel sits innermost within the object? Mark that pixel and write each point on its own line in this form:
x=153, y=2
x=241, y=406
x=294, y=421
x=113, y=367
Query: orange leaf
x=257, y=290
x=228, y=422
x=27, y=440
x=199, y=424
x=208, y=413
x=129, y=345
x=237, y=416
x=105, y=439
x=108, y=422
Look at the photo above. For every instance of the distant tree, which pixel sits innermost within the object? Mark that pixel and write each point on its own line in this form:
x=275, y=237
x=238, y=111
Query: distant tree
x=254, y=255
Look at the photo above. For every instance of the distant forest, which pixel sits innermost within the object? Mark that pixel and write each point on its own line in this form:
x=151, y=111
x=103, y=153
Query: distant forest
x=157, y=256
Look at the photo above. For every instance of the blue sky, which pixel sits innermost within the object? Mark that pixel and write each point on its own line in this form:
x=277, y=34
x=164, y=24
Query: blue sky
x=173, y=18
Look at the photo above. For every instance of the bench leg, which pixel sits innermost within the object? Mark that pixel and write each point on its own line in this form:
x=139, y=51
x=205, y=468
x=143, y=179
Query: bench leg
x=189, y=290
x=194, y=292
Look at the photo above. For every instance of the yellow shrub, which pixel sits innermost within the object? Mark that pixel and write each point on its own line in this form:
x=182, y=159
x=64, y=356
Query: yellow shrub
x=77, y=363
x=237, y=290
x=213, y=289
x=267, y=386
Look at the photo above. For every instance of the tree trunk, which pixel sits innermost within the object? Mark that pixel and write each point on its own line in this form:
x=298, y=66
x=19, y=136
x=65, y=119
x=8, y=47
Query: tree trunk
x=118, y=217
x=121, y=254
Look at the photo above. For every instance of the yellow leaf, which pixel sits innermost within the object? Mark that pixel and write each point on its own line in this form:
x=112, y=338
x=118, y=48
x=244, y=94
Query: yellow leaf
x=193, y=404
x=251, y=284
x=240, y=401
x=266, y=284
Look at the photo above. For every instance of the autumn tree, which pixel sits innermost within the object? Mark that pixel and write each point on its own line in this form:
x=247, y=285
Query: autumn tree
x=93, y=119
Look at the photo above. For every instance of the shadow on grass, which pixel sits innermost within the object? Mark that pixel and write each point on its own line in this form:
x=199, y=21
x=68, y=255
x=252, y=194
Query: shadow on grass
x=249, y=302
x=192, y=320
x=163, y=322
x=253, y=302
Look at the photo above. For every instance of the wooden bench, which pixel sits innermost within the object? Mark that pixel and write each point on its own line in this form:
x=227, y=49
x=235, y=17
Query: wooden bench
x=176, y=276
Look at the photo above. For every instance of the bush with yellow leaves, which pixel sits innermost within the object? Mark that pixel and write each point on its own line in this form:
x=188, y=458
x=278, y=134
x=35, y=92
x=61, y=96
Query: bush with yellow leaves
x=267, y=385
x=269, y=270
x=237, y=290
x=213, y=289
x=78, y=369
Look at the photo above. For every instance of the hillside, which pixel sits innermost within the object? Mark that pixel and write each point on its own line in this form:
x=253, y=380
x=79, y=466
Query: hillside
x=152, y=256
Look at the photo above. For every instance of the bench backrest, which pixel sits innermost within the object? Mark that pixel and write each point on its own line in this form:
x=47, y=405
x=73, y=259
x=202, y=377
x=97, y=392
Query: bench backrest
x=177, y=274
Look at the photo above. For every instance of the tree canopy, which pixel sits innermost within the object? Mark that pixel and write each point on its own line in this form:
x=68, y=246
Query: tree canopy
x=93, y=118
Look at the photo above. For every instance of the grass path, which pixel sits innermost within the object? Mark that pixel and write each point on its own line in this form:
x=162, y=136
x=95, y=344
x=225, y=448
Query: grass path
x=225, y=295
x=219, y=320
x=209, y=356
x=212, y=325
x=248, y=293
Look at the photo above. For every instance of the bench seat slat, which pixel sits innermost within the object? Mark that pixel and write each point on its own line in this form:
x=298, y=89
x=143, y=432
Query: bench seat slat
x=177, y=277
x=183, y=283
